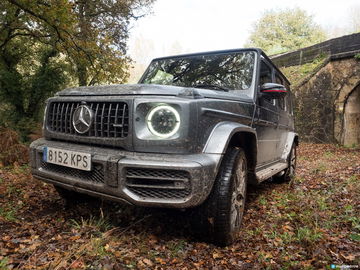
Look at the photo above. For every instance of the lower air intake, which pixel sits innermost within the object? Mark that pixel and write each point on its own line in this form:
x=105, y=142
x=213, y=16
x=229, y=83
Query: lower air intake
x=158, y=183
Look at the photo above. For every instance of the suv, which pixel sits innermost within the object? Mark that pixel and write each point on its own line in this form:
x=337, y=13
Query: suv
x=194, y=133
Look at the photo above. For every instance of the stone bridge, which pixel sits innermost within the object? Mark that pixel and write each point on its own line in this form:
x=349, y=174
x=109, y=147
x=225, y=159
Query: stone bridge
x=328, y=99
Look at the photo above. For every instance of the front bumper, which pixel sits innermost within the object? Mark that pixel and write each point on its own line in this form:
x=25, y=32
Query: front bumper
x=145, y=179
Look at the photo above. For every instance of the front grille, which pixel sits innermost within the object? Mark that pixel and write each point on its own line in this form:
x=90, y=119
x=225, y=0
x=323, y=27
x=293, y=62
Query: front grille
x=158, y=183
x=95, y=175
x=111, y=119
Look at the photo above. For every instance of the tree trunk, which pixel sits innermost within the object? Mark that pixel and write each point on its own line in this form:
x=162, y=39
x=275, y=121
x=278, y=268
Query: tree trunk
x=83, y=26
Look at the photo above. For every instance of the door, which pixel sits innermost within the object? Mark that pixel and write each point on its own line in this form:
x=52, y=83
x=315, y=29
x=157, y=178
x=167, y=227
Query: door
x=267, y=121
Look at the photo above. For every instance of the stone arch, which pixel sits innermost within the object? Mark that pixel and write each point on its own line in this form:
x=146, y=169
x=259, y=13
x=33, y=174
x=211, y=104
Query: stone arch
x=351, y=126
x=346, y=78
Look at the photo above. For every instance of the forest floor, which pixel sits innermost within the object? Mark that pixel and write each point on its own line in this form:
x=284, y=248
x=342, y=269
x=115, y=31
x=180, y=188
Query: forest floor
x=311, y=223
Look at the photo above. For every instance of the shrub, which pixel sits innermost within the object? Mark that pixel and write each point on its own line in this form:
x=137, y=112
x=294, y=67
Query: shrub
x=11, y=150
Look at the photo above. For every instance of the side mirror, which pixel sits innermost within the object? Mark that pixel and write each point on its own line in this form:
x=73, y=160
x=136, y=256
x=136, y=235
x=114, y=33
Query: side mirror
x=273, y=90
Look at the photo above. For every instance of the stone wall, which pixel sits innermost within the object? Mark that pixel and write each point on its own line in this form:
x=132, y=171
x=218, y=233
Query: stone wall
x=351, y=134
x=321, y=97
x=336, y=48
x=320, y=100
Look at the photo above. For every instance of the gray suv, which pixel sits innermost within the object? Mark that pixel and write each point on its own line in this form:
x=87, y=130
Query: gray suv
x=193, y=133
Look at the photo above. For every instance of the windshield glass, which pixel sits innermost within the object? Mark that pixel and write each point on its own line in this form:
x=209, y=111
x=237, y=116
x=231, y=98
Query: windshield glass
x=224, y=71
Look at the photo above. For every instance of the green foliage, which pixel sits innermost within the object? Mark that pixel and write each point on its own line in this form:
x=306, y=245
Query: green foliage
x=3, y=263
x=285, y=30
x=47, y=45
x=100, y=224
x=296, y=74
x=26, y=89
x=90, y=34
x=26, y=84
x=9, y=213
x=357, y=56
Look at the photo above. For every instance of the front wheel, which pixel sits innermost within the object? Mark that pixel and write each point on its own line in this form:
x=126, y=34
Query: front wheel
x=221, y=214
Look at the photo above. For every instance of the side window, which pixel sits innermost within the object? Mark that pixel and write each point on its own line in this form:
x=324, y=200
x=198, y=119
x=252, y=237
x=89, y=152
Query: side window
x=289, y=102
x=265, y=73
x=278, y=79
x=282, y=103
x=266, y=77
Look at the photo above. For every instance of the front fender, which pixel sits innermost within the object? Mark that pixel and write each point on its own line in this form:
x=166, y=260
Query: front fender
x=221, y=135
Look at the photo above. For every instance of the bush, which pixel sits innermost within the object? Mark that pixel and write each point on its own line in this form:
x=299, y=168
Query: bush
x=11, y=149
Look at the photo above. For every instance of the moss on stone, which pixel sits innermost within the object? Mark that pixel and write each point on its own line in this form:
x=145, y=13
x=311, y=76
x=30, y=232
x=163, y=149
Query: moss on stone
x=296, y=74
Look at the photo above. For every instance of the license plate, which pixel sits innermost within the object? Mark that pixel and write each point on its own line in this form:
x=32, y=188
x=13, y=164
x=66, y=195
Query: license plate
x=72, y=159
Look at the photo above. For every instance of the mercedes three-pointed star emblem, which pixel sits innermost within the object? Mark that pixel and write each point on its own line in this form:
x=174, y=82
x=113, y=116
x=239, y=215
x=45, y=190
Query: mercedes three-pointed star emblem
x=82, y=119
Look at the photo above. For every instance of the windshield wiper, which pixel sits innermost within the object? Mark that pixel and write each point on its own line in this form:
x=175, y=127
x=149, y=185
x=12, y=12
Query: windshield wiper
x=211, y=86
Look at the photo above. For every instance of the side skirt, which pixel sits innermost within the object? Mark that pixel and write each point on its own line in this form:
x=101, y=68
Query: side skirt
x=266, y=173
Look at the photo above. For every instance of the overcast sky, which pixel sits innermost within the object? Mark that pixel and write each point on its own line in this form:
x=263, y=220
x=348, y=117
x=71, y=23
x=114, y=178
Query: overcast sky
x=201, y=25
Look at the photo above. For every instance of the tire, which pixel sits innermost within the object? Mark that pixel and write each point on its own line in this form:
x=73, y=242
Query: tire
x=289, y=172
x=221, y=214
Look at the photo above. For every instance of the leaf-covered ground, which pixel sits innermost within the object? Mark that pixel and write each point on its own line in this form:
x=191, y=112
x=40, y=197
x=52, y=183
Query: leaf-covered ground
x=310, y=223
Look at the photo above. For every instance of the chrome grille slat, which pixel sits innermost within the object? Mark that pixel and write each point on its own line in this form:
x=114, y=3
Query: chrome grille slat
x=62, y=127
x=102, y=120
x=57, y=118
x=123, y=117
x=108, y=122
x=107, y=116
x=70, y=116
x=95, y=119
x=91, y=131
x=66, y=116
x=52, y=114
x=116, y=116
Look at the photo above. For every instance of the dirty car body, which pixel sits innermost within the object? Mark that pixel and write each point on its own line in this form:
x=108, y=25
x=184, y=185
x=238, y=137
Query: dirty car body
x=161, y=142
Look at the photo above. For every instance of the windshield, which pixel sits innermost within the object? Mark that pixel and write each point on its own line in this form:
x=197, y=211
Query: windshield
x=223, y=71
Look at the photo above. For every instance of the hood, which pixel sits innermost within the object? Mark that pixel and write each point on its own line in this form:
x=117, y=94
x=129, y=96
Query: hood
x=150, y=90
x=121, y=90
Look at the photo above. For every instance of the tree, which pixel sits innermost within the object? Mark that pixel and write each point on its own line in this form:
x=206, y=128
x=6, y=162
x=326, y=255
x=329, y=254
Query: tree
x=91, y=33
x=29, y=70
x=285, y=30
x=47, y=44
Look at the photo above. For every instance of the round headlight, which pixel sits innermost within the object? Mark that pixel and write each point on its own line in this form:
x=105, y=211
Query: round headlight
x=163, y=121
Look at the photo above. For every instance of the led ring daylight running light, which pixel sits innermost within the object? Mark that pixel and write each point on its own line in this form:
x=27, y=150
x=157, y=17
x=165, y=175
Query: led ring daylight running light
x=163, y=121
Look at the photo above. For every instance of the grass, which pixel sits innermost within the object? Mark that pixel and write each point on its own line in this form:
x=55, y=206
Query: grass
x=262, y=200
x=4, y=263
x=297, y=73
x=321, y=167
x=305, y=216
x=176, y=248
x=100, y=224
x=9, y=213
x=352, y=146
x=328, y=154
x=13, y=190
